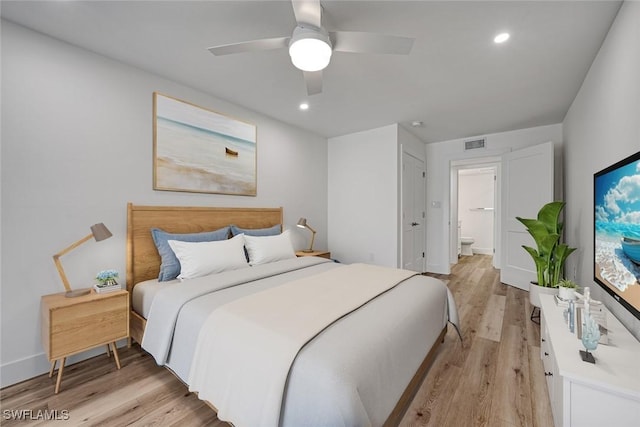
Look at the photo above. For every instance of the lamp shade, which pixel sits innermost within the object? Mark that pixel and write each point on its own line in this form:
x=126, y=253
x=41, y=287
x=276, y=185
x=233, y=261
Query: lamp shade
x=100, y=232
x=302, y=223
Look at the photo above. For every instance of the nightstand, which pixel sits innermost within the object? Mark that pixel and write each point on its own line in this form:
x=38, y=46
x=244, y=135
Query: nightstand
x=322, y=254
x=74, y=325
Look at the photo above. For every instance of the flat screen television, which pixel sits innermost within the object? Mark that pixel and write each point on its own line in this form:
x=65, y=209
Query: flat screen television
x=616, y=248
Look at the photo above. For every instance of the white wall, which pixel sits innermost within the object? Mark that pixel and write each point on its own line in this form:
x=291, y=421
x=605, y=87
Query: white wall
x=77, y=146
x=363, y=196
x=601, y=128
x=439, y=158
x=475, y=191
x=411, y=144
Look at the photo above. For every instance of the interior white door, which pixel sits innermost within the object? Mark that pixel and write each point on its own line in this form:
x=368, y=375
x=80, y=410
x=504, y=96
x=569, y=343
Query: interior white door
x=527, y=184
x=413, y=213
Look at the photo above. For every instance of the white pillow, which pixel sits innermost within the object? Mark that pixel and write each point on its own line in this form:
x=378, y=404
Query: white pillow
x=199, y=259
x=264, y=249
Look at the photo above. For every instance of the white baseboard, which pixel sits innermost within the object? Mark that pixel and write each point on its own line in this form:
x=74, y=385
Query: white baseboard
x=23, y=369
x=482, y=251
x=32, y=366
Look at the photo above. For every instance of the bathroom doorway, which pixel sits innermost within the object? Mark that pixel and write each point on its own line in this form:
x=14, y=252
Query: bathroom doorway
x=474, y=208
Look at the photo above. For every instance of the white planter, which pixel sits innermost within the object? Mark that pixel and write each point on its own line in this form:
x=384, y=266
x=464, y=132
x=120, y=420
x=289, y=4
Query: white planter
x=535, y=291
x=566, y=293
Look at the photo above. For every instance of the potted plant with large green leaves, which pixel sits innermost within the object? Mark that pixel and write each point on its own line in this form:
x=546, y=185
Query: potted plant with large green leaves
x=550, y=254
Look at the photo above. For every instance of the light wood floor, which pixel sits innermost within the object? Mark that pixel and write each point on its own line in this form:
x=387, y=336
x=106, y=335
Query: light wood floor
x=494, y=379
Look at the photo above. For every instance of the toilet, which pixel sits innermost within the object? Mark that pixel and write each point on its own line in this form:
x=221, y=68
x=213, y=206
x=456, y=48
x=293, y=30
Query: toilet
x=465, y=245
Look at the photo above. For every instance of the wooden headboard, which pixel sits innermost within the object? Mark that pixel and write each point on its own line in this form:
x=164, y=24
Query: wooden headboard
x=143, y=261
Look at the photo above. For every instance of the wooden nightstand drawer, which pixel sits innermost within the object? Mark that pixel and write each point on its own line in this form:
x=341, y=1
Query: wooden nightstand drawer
x=72, y=325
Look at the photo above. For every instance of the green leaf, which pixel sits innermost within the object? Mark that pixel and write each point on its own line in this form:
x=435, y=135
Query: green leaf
x=562, y=252
x=549, y=215
x=550, y=255
x=536, y=229
x=547, y=243
x=540, y=263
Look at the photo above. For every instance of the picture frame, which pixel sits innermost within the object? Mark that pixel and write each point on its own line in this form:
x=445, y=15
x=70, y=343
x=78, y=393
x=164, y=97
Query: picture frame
x=202, y=151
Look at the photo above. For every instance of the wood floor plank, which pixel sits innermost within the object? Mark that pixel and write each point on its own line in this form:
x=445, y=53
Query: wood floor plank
x=432, y=404
x=515, y=311
x=471, y=401
x=491, y=379
x=524, y=379
x=512, y=398
x=490, y=326
x=499, y=288
x=94, y=411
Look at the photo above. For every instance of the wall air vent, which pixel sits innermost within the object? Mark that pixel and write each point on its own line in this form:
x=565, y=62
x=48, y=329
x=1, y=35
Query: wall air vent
x=474, y=144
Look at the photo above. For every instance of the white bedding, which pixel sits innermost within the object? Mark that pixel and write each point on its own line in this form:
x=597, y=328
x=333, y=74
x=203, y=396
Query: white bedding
x=351, y=374
x=246, y=348
x=145, y=292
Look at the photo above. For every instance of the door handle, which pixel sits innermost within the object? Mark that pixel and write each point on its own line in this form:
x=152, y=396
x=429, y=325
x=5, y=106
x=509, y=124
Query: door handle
x=413, y=224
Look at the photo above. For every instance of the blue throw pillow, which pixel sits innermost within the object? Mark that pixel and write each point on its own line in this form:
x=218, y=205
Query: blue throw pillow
x=170, y=267
x=271, y=231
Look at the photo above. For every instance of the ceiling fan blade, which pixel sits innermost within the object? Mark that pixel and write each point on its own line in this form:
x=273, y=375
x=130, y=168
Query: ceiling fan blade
x=357, y=42
x=250, y=46
x=313, y=80
x=308, y=12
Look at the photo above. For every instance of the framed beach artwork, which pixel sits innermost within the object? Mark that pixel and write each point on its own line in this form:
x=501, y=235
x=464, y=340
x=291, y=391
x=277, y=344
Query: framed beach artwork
x=201, y=151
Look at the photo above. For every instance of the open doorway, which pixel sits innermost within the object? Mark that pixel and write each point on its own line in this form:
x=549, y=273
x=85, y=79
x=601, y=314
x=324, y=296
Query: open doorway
x=475, y=214
x=476, y=201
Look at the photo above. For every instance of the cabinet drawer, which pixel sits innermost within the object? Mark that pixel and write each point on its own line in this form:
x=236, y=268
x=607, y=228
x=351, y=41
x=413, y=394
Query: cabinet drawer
x=547, y=357
x=79, y=327
x=545, y=345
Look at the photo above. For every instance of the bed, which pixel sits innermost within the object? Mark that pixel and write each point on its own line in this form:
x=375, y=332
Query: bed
x=363, y=368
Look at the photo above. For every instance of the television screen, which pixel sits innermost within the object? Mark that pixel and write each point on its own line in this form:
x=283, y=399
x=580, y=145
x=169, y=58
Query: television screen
x=617, y=231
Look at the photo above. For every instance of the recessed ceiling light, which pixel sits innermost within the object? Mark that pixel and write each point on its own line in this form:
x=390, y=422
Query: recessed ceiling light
x=501, y=38
x=304, y=106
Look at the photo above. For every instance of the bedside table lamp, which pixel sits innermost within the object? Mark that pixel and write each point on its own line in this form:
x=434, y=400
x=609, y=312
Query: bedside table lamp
x=98, y=232
x=302, y=223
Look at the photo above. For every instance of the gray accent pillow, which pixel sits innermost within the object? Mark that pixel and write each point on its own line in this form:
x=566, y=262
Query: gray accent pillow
x=271, y=231
x=170, y=266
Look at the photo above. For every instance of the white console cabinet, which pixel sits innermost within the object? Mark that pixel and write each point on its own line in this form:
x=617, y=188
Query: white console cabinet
x=582, y=394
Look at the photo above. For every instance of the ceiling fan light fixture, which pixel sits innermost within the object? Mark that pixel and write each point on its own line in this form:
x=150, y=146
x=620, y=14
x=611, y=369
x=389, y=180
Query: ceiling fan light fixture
x=501, y=38
x=310, y=49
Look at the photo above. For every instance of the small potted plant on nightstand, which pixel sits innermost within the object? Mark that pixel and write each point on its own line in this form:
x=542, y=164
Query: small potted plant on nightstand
x=566, y=289
x=107, y=281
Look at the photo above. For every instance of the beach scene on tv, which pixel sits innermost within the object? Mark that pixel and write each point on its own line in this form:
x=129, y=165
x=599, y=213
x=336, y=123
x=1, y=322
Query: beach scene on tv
x=199, y=150
x=617, y=231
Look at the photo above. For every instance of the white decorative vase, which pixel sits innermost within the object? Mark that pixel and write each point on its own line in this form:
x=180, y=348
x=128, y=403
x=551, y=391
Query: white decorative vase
x=566, y=294
x=535, y=291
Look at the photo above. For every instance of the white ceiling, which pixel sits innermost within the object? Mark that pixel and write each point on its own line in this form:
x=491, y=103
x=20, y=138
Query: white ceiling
x=455, y=80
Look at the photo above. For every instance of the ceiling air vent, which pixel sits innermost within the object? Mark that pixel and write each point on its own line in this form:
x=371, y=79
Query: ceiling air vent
x=476, y=143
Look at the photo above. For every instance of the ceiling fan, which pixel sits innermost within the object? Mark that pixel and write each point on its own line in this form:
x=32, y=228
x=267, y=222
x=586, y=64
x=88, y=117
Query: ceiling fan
x=310, y=46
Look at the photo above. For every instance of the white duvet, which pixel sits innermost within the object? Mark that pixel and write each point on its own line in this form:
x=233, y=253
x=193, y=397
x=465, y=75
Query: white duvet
x=245, y=348
x=351, y=374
